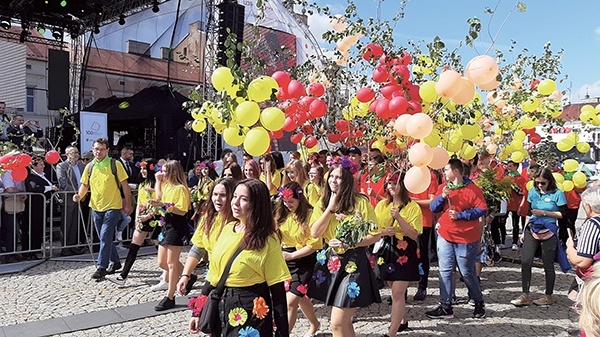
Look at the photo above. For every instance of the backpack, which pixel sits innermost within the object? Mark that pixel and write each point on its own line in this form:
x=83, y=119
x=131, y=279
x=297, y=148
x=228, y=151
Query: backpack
x=113, y=168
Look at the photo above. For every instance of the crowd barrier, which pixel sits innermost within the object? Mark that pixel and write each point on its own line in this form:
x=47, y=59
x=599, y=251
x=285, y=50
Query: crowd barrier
x=47, y=227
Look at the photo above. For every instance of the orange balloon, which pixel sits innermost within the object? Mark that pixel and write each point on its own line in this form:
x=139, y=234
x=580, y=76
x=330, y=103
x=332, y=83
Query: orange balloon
x=400, y=124
x=482, y=69
x=419, y=125
x=417, y=179
x=440, y=158
x=466, y=93
x=493, y=84
x=420, y=154
x=449, y=84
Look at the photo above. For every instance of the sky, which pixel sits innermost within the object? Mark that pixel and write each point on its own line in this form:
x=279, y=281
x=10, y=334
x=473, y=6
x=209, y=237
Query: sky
x=571, y=25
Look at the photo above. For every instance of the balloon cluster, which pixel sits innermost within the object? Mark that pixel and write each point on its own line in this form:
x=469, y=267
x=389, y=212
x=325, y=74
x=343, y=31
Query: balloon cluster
x=17, y=164
x=343, y=45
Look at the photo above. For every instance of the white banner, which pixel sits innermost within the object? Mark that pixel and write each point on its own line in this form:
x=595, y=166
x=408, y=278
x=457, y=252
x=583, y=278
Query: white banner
x=93, y=125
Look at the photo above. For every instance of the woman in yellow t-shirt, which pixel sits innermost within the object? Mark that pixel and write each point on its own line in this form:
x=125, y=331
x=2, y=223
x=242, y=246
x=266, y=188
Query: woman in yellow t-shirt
x=218, y=214
x=292, y=216
x=401, y=222
x=315, y=187
x=254, y=296
x=173, y=197
x=270, y=175
x=143, y=218
x=345, y=281
x=295, y=171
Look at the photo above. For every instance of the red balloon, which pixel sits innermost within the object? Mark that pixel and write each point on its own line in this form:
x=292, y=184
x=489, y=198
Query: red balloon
x=398, y=106
x=307, y=129
x=6, y=159
x=282, y=78
x=19, y=174
x=310, y=142
x=380, y=74
x=344, y=135
x=402, y=72
x=295, y=89
x=414, y=107
x=300, y=118
x=289, y=125
x=316, y=89
x=413, y=93
x=23, y=159
x=304, y=102
x=372, y=51
x=342, y=125
x=333, y=137
x=296, y=138
x=373, y=105
x=52, y=157
x=358, y=134
x=383, y=110
x=388, y=90
x=535, y=138
x=282, y=94
x=365, y=94
x=406, y=58
x=318, y=108
x=292, y=108
x=529, y=131
x=534, y=83
x=276, y=134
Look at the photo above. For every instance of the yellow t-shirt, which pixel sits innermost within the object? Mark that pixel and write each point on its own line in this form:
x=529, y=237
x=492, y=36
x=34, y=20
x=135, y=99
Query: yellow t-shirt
x=411, y=213
x=313, y=194
x=105, y=193
x=293, y=236
x=250, y=267
x=200, y=239
x=176, y=194
x=275, y=179
x=143, y=195
x=362, y=205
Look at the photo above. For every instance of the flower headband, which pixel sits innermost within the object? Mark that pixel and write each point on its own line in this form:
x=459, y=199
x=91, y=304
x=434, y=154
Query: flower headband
x=207, y=164
x=288, y=193
x=346, y=163
x=144, y=164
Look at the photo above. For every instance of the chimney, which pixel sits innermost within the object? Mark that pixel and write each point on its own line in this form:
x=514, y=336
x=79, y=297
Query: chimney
x=164, y=53
x=138, y=48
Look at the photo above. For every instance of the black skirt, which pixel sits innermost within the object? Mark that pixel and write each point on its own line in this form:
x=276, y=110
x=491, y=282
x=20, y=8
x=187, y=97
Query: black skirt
x=344, y=280
x=238, y=305
x=175, y=230
x=399, y=260
x=301, y=270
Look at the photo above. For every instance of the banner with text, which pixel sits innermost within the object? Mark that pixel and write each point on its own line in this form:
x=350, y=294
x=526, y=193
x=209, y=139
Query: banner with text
x=93, y=125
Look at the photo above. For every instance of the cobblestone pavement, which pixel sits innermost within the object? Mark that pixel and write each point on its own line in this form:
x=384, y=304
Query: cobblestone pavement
x=58, y=288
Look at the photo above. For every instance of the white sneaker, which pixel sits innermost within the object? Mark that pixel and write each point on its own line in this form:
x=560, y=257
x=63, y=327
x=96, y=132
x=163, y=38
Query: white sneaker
x=120, y=236
x=116, y=279
x=161, y=286
x=515, y=247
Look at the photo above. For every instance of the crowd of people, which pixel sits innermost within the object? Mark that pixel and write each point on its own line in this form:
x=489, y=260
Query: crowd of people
x=268, y=231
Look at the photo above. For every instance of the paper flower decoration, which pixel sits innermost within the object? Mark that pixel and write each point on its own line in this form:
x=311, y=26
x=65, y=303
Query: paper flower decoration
x=303, y=289
x=353, y=290
x=402, y=259
x=372, y=261
x=196, y=304
x=334, y=264
x=322, y=257
x=380, y=261
x=351, y=267
x=389, y=268
x=261, y=308
x=249, y=332
x=237, y=316
x=402, y=244
x=318, y=277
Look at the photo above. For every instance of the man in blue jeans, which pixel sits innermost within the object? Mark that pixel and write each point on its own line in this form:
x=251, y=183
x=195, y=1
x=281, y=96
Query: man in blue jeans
x=459, y=232
x=105, y=202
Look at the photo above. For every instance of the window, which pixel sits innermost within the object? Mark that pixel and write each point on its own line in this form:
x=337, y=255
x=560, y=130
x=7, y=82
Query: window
x=30, y=99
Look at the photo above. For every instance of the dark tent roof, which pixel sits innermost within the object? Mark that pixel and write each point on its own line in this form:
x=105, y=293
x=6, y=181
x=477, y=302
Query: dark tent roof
x=148, y=103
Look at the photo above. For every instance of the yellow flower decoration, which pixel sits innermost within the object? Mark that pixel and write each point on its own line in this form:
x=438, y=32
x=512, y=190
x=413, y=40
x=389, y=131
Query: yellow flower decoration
x=237, y=316
x=380, y=261
x=351, y=267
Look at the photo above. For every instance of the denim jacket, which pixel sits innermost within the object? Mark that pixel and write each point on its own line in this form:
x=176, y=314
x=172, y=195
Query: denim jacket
x=538, y=224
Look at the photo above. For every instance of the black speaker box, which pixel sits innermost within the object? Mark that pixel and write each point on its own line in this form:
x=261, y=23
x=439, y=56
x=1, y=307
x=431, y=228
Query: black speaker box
x=58, y=79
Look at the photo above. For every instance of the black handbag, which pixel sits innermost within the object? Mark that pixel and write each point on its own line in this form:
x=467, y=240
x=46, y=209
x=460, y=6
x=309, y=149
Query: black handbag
x=210, y=320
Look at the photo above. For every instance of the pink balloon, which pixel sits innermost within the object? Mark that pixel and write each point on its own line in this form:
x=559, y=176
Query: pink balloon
x=383, y=110
x=417, y=179
x=365, y=94
x=419, y=126
x=282, y=94
x=466, y=93
x=413, y=92
x=402, y=72
x=481, y=69
x=388, y=89
x=440, y=158
x=295, y=89
x=420, y=154
x=305, y=102
x=400, y=124
x=282, y=78
x=414, y=107
x=448, y=85
x=373, y=105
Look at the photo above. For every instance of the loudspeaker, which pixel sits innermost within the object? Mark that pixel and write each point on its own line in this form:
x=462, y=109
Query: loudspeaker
x=58, y=79
x=231, y=16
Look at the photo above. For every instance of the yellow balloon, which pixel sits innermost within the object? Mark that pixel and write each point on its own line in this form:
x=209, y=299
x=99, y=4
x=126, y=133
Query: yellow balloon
x=469, y=132
x=259, y=90
x=199, y=125
x=517, y=157
x=568, y=186
x=520, y=135
x=247, y=113
x=570, y=165
x=196, y=113
x=558, y=177
x=233, y=136
x=587, y=116
x=530, y=105
x=573, y=137
x=579, y=179
x=272, y=119
x=219, y=128
x=222, y=78
x=468, y=151
x=257, y=141
x=564, y=145
x=583, y=147
x=454, y=144
x=427, y=92
x=377, y=145
x=546, y=87
x=529, y=185
x=433, y=139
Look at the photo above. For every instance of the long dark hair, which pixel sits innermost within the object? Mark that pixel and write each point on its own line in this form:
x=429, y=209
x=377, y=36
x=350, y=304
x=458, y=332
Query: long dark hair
x=401, y=191
x=150, y=179
x=211, y=213
x=346, y=197
x=281, y=213
x=260, y=223
x=236, y=171
x=545, y=173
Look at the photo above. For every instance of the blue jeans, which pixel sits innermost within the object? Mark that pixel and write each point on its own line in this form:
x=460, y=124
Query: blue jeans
x=449, y=256
x=106, y=225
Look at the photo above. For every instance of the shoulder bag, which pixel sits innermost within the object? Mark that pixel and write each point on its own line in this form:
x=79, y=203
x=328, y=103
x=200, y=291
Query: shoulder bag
x=210, y=321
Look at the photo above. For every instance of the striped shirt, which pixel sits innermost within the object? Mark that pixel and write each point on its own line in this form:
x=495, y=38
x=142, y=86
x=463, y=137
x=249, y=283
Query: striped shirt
x=588, y=243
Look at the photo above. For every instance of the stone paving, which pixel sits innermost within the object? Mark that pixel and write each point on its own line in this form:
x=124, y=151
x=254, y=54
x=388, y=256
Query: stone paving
x=57, y=288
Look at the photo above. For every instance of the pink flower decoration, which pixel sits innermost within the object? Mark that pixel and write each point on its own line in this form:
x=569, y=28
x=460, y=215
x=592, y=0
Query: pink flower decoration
x=402, y=259
x=303, y=289
x=418, y=253
x=286, y=284
x=334, y=264
x=372, y=261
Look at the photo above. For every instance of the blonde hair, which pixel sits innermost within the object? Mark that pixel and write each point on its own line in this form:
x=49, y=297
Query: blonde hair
x=589, y=319
x=175, y=174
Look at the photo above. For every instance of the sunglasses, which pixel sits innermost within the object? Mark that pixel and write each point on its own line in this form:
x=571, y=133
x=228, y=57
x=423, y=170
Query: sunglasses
x=543, y=183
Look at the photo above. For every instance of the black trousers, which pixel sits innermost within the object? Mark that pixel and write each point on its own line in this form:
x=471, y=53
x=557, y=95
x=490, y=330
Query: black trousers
x=499, y=229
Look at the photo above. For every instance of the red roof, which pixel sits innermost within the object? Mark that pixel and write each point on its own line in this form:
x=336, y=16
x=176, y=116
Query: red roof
x=572, y=111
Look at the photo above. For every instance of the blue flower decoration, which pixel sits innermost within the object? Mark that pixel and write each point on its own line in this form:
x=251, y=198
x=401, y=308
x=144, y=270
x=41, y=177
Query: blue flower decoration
x=322, y=257
x=389, y=268
x=161, y=237
x=353, y=290
x=249, y=332
x=318, y=277
x=421, y=272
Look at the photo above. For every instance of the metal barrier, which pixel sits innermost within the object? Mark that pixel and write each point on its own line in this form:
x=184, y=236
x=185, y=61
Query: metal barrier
x=49, y=227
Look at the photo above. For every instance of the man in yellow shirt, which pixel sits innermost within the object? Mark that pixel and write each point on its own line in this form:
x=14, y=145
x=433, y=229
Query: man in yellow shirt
x=106, y=202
